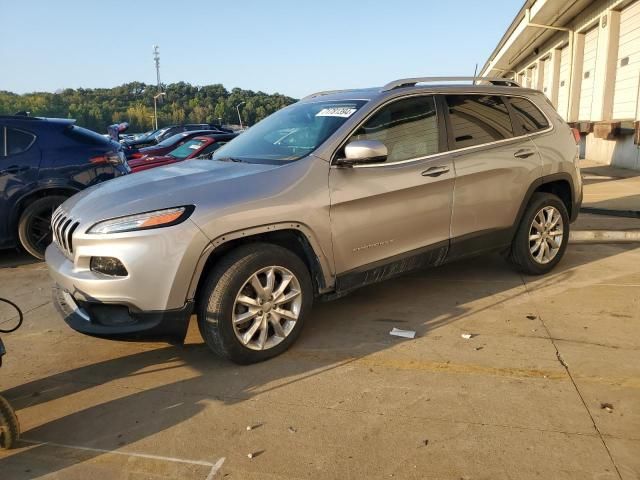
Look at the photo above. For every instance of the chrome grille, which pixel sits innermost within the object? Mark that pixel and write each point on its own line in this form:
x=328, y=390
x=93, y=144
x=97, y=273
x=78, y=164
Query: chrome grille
x=63, y=227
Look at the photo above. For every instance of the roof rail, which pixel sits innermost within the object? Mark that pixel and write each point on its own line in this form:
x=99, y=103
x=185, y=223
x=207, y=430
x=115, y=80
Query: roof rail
x=410, y=82
x=19, y=117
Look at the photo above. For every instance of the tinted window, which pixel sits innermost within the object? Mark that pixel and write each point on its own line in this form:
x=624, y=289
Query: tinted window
x=18, y=141
x=528, y=116
x=85, y=136
x=409, y=128
x=186, y=149
x=478, y=119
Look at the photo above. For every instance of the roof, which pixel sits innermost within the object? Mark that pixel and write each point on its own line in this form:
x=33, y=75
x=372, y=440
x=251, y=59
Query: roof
x=426, y=85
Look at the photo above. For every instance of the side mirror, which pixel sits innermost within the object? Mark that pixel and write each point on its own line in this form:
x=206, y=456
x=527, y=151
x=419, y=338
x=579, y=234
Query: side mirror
x=363, y=151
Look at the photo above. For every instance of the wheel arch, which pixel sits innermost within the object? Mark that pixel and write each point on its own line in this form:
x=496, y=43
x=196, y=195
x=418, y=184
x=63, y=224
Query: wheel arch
x=25, y=200
x=291, y=235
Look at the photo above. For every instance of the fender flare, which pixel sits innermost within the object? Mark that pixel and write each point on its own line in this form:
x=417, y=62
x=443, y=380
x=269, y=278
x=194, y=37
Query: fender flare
x=325, y=274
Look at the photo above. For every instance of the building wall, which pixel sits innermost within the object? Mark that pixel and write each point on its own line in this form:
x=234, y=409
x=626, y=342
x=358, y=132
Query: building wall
x=592, y=77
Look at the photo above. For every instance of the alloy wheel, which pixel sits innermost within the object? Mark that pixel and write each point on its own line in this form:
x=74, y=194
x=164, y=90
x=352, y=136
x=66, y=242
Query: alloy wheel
x=545, y=235
x=267, y=308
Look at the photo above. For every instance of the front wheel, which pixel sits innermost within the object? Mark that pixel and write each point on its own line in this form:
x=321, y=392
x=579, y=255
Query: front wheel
x=542, y=237
x=9, y=426
x=34, y=228
x=254, y=302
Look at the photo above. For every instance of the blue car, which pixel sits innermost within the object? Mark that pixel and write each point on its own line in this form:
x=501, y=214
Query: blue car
x=43, y=161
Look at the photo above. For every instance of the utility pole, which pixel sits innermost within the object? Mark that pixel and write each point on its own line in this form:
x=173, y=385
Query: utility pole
x=156, y=59
x=238, y=110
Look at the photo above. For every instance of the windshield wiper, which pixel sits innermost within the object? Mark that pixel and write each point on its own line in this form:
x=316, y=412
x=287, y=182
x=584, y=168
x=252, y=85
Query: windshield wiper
x=229, y=159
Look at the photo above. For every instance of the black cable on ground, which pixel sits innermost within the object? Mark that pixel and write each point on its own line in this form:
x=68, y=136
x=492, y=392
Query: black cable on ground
x=20, y=316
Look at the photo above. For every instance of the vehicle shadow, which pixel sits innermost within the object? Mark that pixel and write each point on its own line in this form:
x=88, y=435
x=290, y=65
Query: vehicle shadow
x=160, y=389
x=12, y=258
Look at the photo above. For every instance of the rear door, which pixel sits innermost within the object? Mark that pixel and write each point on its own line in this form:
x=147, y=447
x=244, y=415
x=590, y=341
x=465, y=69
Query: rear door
x=495, y=164
x=19, y=166
x=393, y=216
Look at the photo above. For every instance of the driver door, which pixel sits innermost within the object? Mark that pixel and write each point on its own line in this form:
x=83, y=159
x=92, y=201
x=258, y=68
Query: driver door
x=393, y=216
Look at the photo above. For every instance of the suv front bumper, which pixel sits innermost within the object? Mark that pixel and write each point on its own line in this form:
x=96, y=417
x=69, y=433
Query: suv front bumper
x=119, y=321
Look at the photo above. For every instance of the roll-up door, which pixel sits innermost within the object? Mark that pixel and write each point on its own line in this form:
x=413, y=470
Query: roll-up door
x=625, y=97
x=588, y=73
x=563, y=87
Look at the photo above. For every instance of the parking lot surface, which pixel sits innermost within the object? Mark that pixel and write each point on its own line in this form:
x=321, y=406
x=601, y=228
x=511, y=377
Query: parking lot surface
x=523, y=398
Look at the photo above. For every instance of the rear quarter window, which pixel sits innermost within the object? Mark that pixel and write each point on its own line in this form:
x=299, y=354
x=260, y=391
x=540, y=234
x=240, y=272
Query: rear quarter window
x=528, y=117
x=16, y=141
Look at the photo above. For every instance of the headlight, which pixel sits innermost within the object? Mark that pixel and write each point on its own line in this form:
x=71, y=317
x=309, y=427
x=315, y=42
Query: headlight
x=143, y=221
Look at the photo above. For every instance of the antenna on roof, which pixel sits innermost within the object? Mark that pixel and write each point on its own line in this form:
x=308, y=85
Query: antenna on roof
x=475, y=73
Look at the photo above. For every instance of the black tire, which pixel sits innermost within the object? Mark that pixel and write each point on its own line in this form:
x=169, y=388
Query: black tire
x=9, y=426
x=34, y=228
x=520, y=256
x=217, y=297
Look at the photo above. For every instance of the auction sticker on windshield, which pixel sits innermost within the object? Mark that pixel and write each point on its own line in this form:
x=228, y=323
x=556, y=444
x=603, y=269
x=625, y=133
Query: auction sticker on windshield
x=344, y=112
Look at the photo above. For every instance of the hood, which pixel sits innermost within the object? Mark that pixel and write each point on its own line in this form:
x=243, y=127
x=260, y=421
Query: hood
x=182, y=183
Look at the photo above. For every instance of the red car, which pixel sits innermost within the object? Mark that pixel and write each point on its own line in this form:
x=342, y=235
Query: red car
x=167, y=145
x=198, y=147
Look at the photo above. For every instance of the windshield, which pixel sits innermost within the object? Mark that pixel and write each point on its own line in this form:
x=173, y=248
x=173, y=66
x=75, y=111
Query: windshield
x=157, y=133
x=290, y=133
x=173, y=139
x=186, y=149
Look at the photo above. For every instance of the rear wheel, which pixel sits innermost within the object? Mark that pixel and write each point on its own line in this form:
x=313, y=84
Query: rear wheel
x=34, y=228
x=542, y=236
x=254, y=302
x=9, y=426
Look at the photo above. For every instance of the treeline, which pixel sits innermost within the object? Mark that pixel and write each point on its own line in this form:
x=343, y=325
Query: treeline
x=96, y=108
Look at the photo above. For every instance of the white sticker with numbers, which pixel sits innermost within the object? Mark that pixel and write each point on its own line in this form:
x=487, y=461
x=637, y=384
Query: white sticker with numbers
x=344, y=112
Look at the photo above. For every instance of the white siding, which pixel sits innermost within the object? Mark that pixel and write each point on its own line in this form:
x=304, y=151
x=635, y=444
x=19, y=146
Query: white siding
x=546, y=77
x=588, y=73
x=625, y=95
x=563, y=86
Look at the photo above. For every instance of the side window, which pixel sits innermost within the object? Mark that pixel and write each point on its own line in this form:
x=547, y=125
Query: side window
x=409, y=128
x=3, y=141
x=18, y=141
x=478, y=119
x=528, y=116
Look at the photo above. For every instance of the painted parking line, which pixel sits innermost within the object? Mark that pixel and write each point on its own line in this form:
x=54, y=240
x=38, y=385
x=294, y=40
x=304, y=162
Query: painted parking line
x=214, y=466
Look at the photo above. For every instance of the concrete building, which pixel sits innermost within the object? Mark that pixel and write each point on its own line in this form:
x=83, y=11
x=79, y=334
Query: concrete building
x=585, y=56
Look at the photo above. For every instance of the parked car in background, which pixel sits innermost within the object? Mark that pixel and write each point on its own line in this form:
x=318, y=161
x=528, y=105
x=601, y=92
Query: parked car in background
x=43, y=161
x=201, y=146
x=163, y=133
x=167, y=144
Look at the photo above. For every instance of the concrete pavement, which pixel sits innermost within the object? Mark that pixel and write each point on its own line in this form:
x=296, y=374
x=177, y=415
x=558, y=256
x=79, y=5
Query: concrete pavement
x=521, y=399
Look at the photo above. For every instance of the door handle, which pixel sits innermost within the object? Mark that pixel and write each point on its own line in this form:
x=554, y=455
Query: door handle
x=524, y=153
x=435, y=171
x=14, y=169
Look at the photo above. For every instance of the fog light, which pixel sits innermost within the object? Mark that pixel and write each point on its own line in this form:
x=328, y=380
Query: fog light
x=108, y=266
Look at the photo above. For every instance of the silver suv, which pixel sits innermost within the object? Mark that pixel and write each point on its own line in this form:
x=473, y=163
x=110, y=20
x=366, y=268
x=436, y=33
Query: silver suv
x=335, y=192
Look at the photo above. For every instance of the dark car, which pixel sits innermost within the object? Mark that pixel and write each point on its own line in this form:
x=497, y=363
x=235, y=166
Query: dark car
x=201, y=146
x=163, y=133
x=43, y=161
x=167, y=144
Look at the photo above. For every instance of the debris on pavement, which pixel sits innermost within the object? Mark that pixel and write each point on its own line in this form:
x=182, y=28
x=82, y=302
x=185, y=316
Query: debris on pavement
x=479, y=348
x=253, y=455
x=531, y=317
x=253, y=427
x=467, y=336
x=606, y=406
x=292, y=430
x=403, y=333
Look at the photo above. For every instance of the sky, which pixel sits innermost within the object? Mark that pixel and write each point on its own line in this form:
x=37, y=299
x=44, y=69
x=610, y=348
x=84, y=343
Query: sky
x=289, y=47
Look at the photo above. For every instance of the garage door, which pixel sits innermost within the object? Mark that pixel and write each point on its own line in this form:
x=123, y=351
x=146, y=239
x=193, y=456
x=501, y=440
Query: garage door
x=625, y=95
x=588, y=73
x=563, y=87
x=546, y=77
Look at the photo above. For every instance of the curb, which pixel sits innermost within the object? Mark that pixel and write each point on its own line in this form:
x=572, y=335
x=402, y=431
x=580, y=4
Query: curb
x=604, y=236
x=610, y=212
